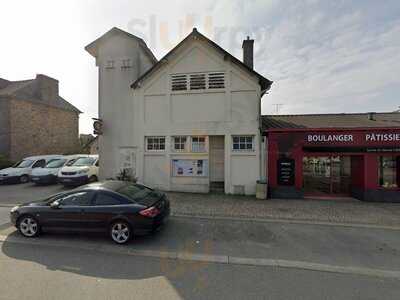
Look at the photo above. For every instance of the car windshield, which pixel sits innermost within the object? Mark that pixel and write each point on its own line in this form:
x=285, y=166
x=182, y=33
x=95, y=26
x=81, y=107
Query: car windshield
x=55, y=163
x=26, y=163
x=84, y=161
x=71, y=162
x=136, y=192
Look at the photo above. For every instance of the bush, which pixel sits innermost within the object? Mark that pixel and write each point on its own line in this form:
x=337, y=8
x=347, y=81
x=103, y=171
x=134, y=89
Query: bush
x=5, y=162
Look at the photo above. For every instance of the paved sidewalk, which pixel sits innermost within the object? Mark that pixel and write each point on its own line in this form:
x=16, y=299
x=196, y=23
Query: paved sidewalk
x=335, y=211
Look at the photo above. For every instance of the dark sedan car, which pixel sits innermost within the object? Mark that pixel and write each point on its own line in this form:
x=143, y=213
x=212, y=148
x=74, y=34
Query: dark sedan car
x=120, y=208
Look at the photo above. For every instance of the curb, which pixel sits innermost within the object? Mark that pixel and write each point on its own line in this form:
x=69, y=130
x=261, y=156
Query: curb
x=288, y=221
x=220, y=259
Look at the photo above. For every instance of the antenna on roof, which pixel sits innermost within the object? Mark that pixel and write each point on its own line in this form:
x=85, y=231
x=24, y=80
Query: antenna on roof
x=278, y=107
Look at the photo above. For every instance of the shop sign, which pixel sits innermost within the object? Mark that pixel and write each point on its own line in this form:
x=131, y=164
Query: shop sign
x=369, y=138
x=286, y=171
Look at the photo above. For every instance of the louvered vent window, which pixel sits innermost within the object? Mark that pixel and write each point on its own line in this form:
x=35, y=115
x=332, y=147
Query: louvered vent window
x=198, y=81
x=179, y=82
x=216, y=80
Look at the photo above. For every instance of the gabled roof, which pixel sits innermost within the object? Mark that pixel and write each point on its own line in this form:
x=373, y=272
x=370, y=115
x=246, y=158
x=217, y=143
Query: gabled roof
x=92, y=48
x=264, y=82
x=13, y=89
x=350, y=120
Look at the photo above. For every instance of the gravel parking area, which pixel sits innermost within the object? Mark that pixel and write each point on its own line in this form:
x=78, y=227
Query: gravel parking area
x=221, y=205
x=337, y=211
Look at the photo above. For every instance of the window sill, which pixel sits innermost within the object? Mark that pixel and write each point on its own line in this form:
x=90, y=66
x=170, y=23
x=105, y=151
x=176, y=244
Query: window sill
x=243, y=153
x=155, y=153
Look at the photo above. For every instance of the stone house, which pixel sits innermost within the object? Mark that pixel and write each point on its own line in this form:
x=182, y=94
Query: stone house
x=35, y=119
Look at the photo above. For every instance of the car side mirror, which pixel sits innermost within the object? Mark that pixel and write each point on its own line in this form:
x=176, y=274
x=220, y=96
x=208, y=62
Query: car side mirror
x=55, y=205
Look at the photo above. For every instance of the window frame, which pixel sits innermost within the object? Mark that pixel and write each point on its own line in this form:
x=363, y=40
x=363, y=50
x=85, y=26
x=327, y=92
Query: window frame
x=110, y=64
x=126, y=64
x=62, y=197
x=180, y=142
x=41, y=161
x=197, y=82
x=245, y=143
x=198, y=137
x=155, y=137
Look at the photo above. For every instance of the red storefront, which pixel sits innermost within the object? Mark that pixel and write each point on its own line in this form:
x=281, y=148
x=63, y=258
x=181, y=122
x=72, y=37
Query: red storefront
x=363, y=163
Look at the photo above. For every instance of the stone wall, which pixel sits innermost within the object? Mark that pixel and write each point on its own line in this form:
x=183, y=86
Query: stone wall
x=4, y=128
x=38, y=129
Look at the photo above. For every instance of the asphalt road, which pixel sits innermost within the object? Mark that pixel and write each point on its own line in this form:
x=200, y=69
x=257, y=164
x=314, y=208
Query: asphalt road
x=40, y=272
x=75, y=266
x=331, y=245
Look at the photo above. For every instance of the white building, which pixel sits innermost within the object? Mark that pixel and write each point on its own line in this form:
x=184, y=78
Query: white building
x=189, y=122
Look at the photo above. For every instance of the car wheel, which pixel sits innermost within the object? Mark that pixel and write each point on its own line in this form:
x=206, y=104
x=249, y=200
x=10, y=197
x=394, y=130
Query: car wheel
x=28, y=226
x=24, y=179
x=93, y=178
x=120, y=232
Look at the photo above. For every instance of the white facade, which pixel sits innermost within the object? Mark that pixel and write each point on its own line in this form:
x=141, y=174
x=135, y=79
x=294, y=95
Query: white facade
x=157, y=130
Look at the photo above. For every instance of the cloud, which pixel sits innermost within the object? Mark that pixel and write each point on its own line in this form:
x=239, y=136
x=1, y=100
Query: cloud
x=323, y=56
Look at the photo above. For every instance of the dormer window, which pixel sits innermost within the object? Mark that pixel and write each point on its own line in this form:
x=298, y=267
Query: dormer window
x=110, y=64
x=126, y=64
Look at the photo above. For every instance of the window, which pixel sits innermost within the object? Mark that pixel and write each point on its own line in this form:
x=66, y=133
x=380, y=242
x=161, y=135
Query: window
x=216, y=80
x=388, y=171
x=155, y=143
x=198, y=144
x=198, y=81
x=55, y=163
x=243, y=143
x=108, y=199
x=84, y=161
x=26, y=163
x=126, y=64
x=179, y=82
x=179, y=143
x=76, y=199
x=110, y=64
x=39, y=164
x=138, y=193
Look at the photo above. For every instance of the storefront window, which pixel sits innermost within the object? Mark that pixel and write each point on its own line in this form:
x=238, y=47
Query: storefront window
x=388, y=171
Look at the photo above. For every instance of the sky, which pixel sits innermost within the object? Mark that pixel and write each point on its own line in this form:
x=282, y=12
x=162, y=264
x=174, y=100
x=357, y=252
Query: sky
x=323, y=56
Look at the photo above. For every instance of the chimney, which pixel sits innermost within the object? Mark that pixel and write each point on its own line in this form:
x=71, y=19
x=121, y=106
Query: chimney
x=248, y=52
x=371, y=116
x=47, y=88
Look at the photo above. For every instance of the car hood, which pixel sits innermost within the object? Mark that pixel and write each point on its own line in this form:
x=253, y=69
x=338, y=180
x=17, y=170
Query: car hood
x=44, y=171
x=34, y=203
x=74, y=168
x=14, y=171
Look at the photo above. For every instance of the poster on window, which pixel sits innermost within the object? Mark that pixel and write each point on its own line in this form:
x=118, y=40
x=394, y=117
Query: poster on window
x=189, y=167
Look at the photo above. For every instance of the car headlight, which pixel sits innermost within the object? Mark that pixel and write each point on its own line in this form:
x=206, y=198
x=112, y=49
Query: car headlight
x=84, y=171
x=14, y=209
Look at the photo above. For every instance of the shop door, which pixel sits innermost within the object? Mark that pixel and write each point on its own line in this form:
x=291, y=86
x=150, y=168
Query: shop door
x=327, y=175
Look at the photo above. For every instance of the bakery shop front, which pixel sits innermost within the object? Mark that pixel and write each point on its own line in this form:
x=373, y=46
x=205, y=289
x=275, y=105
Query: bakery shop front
x=363, y=163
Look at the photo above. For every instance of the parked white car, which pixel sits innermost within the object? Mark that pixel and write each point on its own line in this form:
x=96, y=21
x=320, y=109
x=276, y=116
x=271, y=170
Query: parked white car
x=82, y=171
x=49, y=173
x=22, y=170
